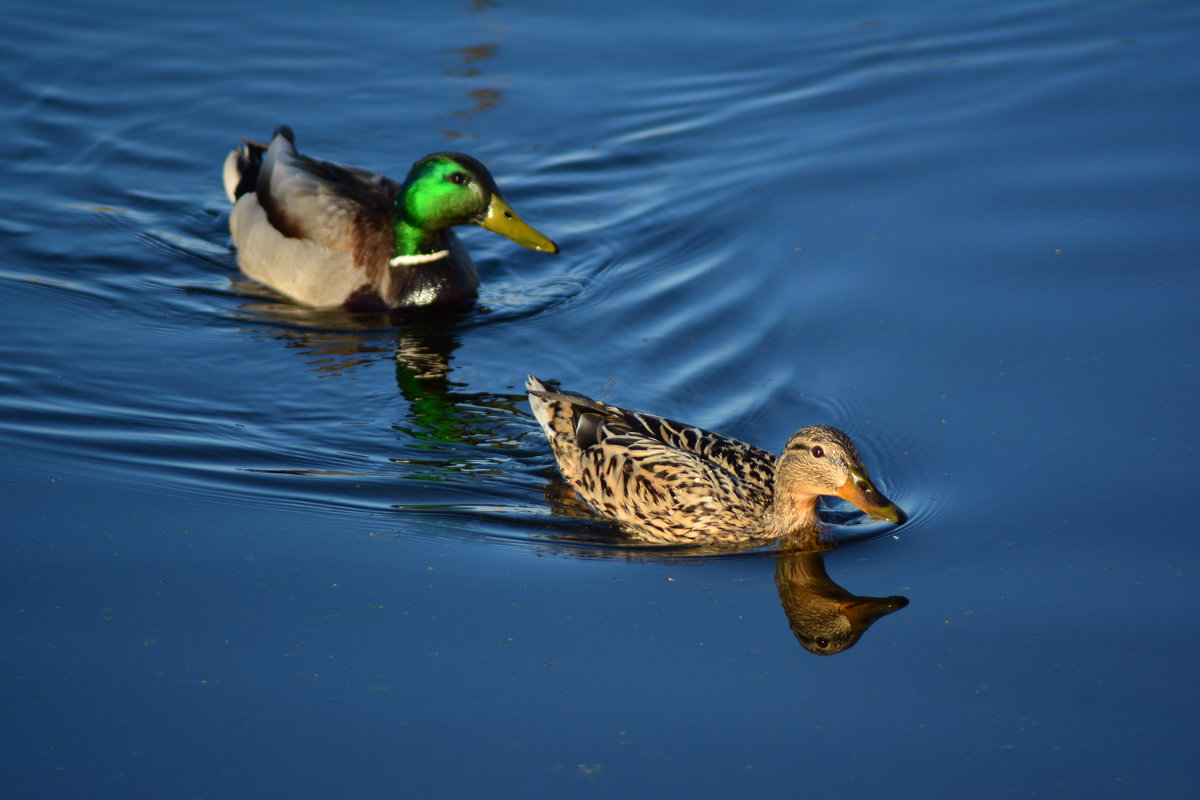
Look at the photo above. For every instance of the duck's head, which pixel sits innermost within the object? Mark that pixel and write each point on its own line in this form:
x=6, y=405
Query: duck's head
x=444, y=189
x=825, y=618
x=820, y=460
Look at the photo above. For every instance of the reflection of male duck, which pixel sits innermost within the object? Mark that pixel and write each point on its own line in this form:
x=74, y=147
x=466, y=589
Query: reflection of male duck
x=439, y=409
x=668, y=482
x=329, y=235
x=825, y=617
x=334, y=340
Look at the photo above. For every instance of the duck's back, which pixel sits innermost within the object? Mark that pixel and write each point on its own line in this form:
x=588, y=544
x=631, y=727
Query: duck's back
x=337, y=207
x=668, y=481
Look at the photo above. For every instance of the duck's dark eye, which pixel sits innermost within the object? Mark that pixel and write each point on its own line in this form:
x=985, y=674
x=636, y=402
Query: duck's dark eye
x=817, y=451
x=458, y=177
x=822, y=642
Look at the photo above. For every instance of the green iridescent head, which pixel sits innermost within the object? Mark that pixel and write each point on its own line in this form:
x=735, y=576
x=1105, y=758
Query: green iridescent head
x=445, y=189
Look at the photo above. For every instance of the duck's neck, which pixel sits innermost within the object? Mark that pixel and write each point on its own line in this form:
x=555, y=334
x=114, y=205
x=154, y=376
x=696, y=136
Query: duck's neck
x=410, y=241
x=792, y=513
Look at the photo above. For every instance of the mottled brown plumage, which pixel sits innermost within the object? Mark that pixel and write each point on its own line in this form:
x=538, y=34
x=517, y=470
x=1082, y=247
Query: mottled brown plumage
x=668, y=482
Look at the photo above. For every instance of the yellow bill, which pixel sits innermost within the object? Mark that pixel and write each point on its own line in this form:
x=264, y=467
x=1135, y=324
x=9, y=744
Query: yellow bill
x=503, y=220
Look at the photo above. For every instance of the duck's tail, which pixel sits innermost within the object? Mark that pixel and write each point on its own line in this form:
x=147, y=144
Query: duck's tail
x=540, y=400
x=241, y=165
x=556, y=409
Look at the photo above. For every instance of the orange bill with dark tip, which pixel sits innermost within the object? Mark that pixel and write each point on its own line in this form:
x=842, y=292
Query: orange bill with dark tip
x=859, y=490
x=862, y=611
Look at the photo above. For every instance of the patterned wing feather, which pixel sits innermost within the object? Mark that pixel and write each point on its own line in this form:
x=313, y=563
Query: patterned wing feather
x=667, y=481
x=751, y=465
x=663, y=492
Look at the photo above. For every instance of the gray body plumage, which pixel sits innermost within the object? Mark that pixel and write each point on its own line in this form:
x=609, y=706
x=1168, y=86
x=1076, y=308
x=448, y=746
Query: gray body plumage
x=321, y=233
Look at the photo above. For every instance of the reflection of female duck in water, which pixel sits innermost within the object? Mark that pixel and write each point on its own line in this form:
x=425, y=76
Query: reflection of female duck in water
x=825, y=617
x=667, y=482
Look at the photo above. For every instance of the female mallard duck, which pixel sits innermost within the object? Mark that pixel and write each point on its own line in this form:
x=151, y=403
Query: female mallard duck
x=329, y=235
x=672, y=483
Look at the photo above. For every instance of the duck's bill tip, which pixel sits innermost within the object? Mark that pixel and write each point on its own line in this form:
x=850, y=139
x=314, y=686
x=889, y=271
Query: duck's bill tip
x=859, y=490
x=891, y=513
x=862, y=611
x=501, y=219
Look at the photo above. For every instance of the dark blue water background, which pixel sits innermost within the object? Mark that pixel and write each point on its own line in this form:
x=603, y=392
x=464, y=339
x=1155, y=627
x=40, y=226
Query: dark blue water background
x=252, y=551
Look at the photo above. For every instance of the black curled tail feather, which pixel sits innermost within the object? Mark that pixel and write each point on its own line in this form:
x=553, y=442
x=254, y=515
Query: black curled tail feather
x=246, y=160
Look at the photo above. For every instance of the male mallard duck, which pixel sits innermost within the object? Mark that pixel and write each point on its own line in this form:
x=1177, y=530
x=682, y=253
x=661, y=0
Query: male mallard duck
x=672, y=483
x=329, y=235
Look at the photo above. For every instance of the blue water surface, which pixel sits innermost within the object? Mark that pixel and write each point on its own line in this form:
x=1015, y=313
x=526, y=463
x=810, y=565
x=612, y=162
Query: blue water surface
x=253, y=550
